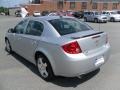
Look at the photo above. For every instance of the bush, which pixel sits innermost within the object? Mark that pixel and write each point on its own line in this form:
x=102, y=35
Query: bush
x=1, y=9
x=4, y=10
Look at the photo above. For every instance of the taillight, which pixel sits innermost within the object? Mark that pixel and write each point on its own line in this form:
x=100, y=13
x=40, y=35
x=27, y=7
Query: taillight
x=72, y=48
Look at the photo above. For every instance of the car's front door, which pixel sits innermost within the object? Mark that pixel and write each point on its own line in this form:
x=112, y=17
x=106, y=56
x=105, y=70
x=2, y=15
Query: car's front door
x=17, y=35
x=31, y=38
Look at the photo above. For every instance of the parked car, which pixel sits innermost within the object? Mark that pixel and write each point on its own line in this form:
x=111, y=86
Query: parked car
x=78, y=14
x=69, y=13
x=45, y=13
x=60, y=46
x=61, y=13
x=94, y=16
x=18, y=13
x=2, y=13
x=36, y=14
x=53, y=14
x=112, y=15
x=118, y=11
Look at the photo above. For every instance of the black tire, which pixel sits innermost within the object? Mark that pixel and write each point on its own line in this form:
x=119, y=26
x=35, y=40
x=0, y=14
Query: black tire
x=96, y=20
x=45, y=65
x=112, y=20
x=8, y=46
x=85, y=19
x=105, y=22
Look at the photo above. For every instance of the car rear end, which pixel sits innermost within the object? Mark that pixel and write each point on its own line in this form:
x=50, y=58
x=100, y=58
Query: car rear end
x=82, y=55
x=116, y=17
x=81, y=52
x=102, y=18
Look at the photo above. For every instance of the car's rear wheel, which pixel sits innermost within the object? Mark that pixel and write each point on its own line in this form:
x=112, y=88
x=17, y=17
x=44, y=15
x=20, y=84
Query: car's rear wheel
x=44, y=68
x=112, y=19
x=96, y=20
x=8, y=46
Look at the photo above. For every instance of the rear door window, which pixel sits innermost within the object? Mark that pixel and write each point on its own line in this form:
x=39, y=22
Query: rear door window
x=34, y=28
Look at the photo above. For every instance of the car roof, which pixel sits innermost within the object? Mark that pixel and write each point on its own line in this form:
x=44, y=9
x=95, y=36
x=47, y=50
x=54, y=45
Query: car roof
x=108, y=11
x=92, y=11
x=47, y=18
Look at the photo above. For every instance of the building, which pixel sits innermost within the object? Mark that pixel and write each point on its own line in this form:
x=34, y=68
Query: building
x=12, y=10
x=79, y=5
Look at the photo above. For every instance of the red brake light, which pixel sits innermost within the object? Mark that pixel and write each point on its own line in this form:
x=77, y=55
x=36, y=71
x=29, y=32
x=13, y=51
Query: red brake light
x=72, y=48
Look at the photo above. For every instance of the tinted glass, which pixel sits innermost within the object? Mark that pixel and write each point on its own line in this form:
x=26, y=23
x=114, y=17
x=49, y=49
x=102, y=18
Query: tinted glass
x=19, y=29
x=68, y=26
x=113, y=12
x=91, y=13
x=97, y=13
x=104, y=12
x=34, y=28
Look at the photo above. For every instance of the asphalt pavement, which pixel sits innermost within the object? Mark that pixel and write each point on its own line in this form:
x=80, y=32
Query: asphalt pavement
x=18, y=74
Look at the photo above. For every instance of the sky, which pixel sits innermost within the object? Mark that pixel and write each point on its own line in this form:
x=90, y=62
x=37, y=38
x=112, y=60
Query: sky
x=12, y=3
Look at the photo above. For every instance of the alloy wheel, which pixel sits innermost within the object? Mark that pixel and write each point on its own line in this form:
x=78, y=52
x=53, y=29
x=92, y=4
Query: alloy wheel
x=42, y=67
x=8, y=47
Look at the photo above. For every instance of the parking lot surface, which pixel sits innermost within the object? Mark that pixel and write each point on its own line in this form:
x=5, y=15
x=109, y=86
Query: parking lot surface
x=18, y=74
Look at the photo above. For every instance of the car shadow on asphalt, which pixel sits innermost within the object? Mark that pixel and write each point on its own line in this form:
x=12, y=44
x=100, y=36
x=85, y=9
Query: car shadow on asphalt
x=60, y=81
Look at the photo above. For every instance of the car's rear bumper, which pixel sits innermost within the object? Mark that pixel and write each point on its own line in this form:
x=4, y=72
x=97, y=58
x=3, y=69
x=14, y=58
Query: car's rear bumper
x=103, y=20
x=75, y=65
x=117, y=19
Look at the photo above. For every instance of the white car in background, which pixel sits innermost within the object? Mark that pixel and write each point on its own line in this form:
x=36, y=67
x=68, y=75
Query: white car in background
x=36, y=14
x=53, y=14
x=112, y=15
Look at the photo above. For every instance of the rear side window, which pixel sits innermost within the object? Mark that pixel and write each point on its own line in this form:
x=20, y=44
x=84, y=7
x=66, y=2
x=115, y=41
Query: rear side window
x=68, y=26
x=87, y=13
x=91, y=13
x=104, y=12
x=34, y=28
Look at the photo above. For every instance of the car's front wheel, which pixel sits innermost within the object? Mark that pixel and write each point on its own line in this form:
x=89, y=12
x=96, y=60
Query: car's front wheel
x=8, y=46
x=44, y=68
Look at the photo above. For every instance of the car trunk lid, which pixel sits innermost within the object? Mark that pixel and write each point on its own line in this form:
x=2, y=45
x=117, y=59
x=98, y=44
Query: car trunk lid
x=89, y=40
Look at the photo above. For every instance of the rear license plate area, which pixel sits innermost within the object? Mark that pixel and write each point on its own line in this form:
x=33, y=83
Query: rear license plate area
x=99, y=61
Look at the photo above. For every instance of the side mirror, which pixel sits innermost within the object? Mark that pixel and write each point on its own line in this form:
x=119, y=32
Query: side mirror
x=11, y=30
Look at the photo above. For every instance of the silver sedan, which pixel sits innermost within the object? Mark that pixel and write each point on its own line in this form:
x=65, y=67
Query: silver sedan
x=58, y=46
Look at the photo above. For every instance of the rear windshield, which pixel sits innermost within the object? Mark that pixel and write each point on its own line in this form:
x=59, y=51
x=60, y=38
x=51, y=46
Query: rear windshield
x=97, y=13
x=68, y=26
x=113, y=12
